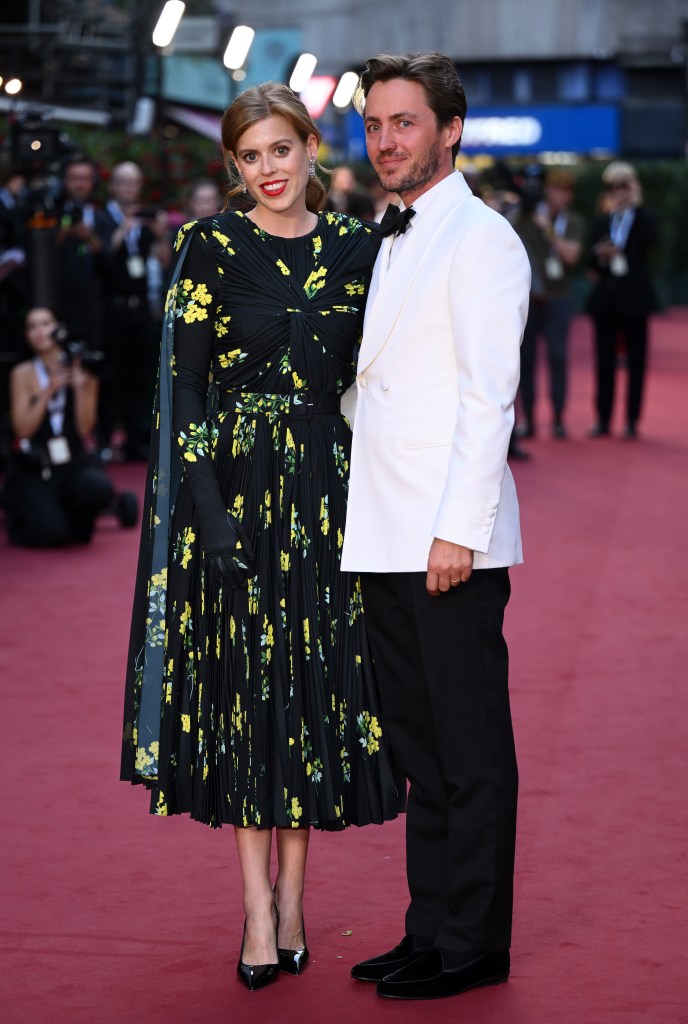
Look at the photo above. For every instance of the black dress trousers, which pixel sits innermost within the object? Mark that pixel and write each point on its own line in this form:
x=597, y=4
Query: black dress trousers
x=442, y=667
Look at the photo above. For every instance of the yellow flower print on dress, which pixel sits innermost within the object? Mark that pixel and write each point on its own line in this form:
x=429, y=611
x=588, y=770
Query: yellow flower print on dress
x=189, y=301
x=185, y=618
x=227, y=359
x=324, y=515
x=195, y=313
x=315, y=281
x=284, y=268
x=142, y=759
x=221, y=326
x=181, y=234
x=369, y=731
x=183, y=548
x=186, y=723
x=296, y=812
x=195, y=442
x=224, y=241
x=201, y=294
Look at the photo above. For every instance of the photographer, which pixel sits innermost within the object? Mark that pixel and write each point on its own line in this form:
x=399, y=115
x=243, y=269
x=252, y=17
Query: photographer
x=82, y=246
x=54, y=491
x=623, y=295
x=553, y=239
x=138, y=259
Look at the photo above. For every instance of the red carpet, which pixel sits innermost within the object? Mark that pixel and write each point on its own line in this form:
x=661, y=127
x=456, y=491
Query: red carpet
x=110, y=915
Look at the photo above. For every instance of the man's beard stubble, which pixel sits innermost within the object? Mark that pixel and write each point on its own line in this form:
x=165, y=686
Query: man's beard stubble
x=420, y=173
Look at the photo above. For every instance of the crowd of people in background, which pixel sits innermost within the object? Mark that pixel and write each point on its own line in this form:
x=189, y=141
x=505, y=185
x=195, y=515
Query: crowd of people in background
x=113, y=261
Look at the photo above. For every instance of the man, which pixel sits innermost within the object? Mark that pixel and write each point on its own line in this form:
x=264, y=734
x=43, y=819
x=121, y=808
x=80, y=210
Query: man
x=82, y=246
x=553, y=238
x=139, y=255
x=14, y=286
x=433, y=523
x=623, y=295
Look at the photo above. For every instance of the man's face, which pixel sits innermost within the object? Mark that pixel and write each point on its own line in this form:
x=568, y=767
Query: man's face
x=79, y=182
x=125, y=185
x=558, y=197
x=409, y=152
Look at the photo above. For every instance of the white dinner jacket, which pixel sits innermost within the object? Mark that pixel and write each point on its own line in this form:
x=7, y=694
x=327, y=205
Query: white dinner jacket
x=437, y=375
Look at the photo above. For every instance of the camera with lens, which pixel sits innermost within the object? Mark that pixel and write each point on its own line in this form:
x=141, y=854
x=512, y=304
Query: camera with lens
x=90, y=359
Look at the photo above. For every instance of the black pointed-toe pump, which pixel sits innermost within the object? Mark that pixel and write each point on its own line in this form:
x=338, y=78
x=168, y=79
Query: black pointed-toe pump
x=256, y=976
x=292, y=961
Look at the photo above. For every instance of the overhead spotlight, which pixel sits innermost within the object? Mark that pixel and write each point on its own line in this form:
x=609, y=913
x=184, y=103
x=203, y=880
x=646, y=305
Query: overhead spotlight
x=345, y=89
x=238, y=46
x=168, y=23
x=14, y=86
x=303, y=72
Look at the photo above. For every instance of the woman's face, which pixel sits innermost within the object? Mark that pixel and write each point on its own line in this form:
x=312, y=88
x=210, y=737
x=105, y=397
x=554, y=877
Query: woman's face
x=205, y=201
x=274, y=163
x=40, y=324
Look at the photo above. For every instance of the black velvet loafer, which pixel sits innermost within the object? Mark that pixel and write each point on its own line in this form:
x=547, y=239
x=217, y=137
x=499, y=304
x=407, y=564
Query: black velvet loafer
x=378, y=967
x=426, y=977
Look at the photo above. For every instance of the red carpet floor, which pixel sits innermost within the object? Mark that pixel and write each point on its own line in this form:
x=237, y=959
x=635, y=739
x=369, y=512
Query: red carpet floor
x=110, y=915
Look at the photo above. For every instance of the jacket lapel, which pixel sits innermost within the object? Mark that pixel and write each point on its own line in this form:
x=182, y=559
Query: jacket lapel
x=391, y=285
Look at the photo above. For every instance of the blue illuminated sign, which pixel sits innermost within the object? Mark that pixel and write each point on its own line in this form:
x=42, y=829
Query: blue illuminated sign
x=511, y=130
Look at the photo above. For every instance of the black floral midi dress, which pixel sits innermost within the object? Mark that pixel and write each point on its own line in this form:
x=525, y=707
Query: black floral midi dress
x=256, y=706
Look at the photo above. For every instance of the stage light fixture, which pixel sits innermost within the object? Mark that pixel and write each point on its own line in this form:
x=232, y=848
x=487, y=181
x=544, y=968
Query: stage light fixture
x=303, y=72
x=238, y=46
x=345, y=89
x=168, y=23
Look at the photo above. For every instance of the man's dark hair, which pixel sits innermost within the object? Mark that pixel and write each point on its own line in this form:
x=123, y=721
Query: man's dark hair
x=433, y=71
x=76, y=160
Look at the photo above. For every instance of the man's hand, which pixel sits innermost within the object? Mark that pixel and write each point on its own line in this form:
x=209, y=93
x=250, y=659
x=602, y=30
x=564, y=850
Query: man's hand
x=448, y=565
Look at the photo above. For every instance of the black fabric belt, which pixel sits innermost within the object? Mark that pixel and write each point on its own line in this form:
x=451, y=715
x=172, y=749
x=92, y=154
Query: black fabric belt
x=302, y=405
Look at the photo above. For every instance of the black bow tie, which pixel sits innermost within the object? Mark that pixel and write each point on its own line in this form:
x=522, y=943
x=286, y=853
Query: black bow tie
x=395, y=221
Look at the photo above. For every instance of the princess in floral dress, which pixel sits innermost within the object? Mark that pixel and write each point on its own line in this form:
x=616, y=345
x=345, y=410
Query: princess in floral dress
x=250, y=697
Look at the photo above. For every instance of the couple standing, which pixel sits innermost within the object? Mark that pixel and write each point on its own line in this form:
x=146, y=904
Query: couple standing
x=260, y=597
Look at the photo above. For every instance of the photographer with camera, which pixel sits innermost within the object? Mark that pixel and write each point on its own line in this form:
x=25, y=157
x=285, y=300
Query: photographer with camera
x=54, y=489
x=138, y=259
x=83, y=242
x=553, y=239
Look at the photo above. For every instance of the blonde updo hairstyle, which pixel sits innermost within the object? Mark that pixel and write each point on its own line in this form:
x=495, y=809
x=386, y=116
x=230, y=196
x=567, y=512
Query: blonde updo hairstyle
x=270, y=99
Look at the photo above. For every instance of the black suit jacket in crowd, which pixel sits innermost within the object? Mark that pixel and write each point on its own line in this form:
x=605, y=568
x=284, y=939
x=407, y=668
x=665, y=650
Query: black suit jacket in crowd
x=633, y=293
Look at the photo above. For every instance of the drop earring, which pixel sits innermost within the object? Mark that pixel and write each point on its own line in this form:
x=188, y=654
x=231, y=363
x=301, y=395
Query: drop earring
x=311, y=167
x=242, y=183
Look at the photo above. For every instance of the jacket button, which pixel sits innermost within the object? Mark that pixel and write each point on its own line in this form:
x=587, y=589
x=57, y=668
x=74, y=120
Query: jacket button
x=363, y=382
x=384, y=384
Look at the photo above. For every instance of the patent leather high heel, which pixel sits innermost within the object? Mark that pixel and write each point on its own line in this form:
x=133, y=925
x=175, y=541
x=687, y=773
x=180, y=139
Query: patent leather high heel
x=292, y=961
x=258, y=976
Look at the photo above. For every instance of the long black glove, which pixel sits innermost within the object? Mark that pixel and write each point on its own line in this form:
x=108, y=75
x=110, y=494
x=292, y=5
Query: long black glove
x=229, y=554
x=234, y=562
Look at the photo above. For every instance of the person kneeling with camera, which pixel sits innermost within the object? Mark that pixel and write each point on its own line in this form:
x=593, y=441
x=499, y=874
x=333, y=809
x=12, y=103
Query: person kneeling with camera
x=54, y=489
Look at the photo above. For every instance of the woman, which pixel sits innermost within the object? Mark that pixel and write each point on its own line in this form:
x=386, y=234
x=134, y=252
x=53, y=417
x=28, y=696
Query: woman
x=54, y=492
x=622, y=297
x=242, y=619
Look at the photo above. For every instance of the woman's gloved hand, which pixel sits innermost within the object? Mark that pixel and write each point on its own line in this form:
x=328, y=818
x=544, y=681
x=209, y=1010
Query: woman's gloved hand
x=231, y=558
